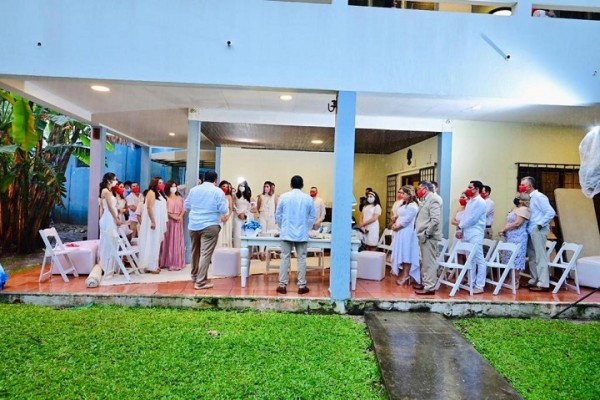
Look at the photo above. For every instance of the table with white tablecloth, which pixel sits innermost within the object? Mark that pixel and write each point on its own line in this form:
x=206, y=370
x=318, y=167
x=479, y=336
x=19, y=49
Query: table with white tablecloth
x=83, y=254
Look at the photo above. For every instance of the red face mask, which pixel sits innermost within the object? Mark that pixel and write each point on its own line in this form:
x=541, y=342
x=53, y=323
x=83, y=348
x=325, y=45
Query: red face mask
x=313, y=194
x=470, y=192
x=484, y=195
x=136, y=190
x=161, y=187
x=225, y=190
x=399, y=196
x=121, y=191
x=463, y=202
x=522, y=188
x=420, y=193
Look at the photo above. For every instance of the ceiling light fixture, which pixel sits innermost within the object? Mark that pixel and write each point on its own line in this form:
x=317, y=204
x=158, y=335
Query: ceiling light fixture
x=316, y=141
x=285, y=97
x=503, y=11
x=100, y=88
x=171, y=133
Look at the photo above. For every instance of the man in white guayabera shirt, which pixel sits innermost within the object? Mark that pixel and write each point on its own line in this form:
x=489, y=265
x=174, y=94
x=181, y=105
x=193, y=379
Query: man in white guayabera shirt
x=295, y=216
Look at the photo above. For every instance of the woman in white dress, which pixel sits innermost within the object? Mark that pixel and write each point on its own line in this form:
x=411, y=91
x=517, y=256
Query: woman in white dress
x=405, y=245
x=109, y=221
x=153, y=226
x=396, y=206
x=266, y=204
x=226, y=234
x=242, y=211
x=369, y=221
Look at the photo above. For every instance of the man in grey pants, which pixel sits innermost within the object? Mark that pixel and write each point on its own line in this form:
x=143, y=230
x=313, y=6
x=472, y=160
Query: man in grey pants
x=428, y=227
x=205, y=204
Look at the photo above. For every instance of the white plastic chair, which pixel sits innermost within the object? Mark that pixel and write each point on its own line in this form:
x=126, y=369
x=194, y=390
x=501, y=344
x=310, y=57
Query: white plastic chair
x=566, y=261
x=52, y=254
x=443, y=250
x=452, y=265
x=386, y=237
x=488, y=250
x=506, y=268
x=118, y=249
x=131, y=252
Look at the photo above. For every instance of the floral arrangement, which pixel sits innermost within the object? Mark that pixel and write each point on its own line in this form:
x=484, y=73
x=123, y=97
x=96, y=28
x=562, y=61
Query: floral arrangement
x=251, y=225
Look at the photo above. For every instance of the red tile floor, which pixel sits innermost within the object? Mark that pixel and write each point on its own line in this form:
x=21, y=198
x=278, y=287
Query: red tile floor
x=265, y=285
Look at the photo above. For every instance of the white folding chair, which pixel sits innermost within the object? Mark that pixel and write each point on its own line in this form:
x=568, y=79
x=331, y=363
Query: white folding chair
x=495, y=262
x=566, y=259
x=53, y=253
x=488, y=249
x=452, y=265
x=385, y=244
x=443, y=250
x=320, y=253
x=129, y=251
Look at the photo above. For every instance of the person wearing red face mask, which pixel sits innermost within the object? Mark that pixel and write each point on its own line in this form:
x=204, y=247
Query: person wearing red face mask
x=319, y=207
x=490, y=209
x=428, y=227
x=134, y=199
x=226, y=235
x=472, y=228
x=538, y=228
x=119, y=192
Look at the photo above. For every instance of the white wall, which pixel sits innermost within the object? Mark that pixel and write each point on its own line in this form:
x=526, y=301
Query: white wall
x=488, y=152
x=305, y=46
x=424, y=154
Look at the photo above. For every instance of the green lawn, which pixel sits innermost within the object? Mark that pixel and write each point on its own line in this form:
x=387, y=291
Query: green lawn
x=543, y=359
x=134, y=353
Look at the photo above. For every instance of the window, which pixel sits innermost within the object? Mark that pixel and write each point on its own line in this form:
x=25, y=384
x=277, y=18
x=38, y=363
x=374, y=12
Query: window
x=390, y=197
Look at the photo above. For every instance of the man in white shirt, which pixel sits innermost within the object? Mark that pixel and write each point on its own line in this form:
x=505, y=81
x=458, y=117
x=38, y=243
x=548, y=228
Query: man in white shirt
x=538, y=228
x=295, y=216
x=134, y=199
x=472, y=227
x=490, y=209
x=319, y=207
x=205, y=204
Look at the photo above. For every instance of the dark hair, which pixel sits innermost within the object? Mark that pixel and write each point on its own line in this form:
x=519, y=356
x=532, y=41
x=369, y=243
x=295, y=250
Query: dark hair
x=314, y=187
x=428, y=185
x=153, y=186
x=368, y=189
x=377, y=201
x=106, y=179
x=297, y=182
x=127, y=183
x=247, y=192
x=488, y=189
x=531, y=181
x=477, y=184
x=210, y=176
x=170, y=183
x=434, y=183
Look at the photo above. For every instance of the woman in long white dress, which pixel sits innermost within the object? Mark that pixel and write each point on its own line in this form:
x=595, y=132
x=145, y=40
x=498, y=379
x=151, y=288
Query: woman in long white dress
x=405, y=245
x=109, y=221
x=266, y=204
x=369, y=220
x=226, y=234
x=153, y=226
x=242, y=211
x=399, y=201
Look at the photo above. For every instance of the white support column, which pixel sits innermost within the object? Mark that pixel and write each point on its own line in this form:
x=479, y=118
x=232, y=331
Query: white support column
x=343, y=198
x=218, y=161
x=97, y=158
x=444, y=172
x=192, y=167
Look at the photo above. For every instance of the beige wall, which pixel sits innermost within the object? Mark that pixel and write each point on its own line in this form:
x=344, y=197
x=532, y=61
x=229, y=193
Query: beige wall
x=488, y=152
x=424, y=154
x=370, y=171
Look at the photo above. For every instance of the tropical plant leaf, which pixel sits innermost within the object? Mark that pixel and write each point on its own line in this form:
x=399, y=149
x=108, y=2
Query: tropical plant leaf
x=23, y=125
x=109, y=146
x=5, y=182
x=85, y=140
x=82, y=154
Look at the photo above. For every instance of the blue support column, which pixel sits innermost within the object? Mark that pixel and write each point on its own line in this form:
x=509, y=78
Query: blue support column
x=444, y=169
x=97, y=157
x=342, y=196
x=144, y=168
x=191, y=171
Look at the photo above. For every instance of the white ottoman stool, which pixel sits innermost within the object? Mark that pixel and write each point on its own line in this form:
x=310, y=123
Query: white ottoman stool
x=588, y=271
x=226, y=262
x=83, y=255
x=371, y=265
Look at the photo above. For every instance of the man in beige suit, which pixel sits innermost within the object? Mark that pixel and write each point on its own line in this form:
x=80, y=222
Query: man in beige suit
x=428, y=226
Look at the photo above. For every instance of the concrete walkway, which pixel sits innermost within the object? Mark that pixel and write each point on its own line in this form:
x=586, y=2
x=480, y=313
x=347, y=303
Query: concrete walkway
x=422, y=356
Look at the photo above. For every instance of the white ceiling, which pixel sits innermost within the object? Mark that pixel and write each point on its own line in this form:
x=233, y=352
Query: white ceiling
x=148, y=112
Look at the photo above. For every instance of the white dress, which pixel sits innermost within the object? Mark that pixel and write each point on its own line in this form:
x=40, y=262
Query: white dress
x=108, y=238
x=226, y=234
x=266, y=214
x=405, y=245
x=240, y=206
x=150, y=239
x=372, y=236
